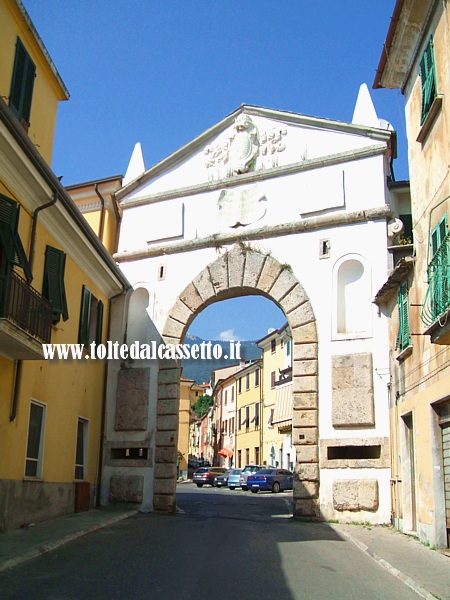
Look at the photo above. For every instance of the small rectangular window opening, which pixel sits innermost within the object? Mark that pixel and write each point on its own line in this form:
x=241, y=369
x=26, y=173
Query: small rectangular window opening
x=353, y=452
x=129, y=453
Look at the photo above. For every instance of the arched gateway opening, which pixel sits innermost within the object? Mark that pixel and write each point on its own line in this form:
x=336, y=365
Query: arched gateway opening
x=242, y=270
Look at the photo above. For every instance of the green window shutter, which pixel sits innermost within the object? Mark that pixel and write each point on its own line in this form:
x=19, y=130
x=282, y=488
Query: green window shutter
x=83, y=331
x=403, y=336
x=9, y=236
x=22, y=83
x=99, y=327
x=428, y=77
x=53, y=288
x=9, y=218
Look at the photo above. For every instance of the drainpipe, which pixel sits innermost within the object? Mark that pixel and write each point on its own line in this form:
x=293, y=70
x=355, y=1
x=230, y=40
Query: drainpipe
x=18, y=363
x=17, y=380
x=34, y=226
x=102, y=214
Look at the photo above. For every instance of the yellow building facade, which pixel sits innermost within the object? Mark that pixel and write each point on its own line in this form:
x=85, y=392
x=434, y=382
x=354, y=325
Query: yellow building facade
x=277, y=449
x=56, y=280
x=248, y=430
x=415, y=59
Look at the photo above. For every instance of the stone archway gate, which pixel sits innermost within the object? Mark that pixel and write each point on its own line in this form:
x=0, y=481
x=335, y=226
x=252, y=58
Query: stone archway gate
x=241, y=271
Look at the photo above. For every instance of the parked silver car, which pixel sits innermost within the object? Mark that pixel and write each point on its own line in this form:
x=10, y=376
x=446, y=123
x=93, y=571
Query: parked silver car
x=233, y=479
x=246, y=471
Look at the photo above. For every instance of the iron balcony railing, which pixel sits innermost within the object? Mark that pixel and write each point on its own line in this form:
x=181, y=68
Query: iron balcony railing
x=24, y=306
x=437, y=298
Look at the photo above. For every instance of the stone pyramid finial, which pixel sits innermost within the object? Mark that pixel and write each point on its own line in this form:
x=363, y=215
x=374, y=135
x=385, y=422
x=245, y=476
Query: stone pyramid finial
x=365, y=113
x=136, y=165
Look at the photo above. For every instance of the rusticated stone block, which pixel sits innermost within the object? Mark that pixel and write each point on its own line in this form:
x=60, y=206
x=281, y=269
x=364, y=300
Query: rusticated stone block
x=165, y=438
x=181, y=312
x=168, y=390
x=164, y=486
x=307, y=454
x=165, y=454
x=167, y=423
x=126, y=488
x=173, y=329
x=352, y=396
x=355, y=494
x=284, y=284
x=164, y=503
x=236, y=262
x=305, y=351
x=307, y=472
x=167, y=406
x=306, y=400
x=270, y=272
x=305, y=436
x=307, y=508
x=253, y=266
x=301, y=315
x=304, y=367
x=307, y=383
x=132, y=400
x=305, y=418
x=219, y=273
x=191, y=298
x=306, y=334
x=306, y=489
x=165, y=471
x=169, y=376
x=204, y=285
x=296, y=297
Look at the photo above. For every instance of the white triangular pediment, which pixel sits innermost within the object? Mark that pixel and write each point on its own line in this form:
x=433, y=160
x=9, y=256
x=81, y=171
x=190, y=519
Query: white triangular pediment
x=251, y=140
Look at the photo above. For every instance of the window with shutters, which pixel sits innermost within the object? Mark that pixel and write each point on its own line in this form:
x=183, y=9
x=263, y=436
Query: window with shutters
x=12, y=249
x=403, y=336
x=257, y=378
x=257, y=414
x=22, y=85
x=35, y=443
x=428, y=78
x=91, y=318
x=53, y=286
x=81, y=450
x=437, y=299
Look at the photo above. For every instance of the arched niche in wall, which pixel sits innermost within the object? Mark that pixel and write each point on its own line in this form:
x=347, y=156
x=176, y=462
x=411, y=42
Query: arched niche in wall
x=352, y=314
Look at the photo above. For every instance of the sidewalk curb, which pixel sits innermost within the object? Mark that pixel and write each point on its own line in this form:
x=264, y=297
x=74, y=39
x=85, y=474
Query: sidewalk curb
x=411, y=583
x=48, y=547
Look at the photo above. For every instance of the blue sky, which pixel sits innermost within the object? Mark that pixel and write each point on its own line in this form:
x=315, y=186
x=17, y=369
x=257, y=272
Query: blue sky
x=161, y=72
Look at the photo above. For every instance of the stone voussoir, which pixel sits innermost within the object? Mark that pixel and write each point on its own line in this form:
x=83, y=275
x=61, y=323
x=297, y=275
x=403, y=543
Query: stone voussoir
x=301, y=368
x=236, y=266
x=204, y=286
x=296, y=297
x=284, y=284
x=191, y=298
x=269, y=274
x=305, y=334
x=253, y=266
x=305, y=351
x=219, y=273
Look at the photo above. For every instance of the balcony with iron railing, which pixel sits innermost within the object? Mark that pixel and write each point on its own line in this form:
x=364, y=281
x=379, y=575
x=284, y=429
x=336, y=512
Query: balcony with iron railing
x=435, y=313
x=25, y=319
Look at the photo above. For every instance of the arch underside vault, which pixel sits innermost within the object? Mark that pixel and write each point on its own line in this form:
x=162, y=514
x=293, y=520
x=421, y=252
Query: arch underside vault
x=237, y=272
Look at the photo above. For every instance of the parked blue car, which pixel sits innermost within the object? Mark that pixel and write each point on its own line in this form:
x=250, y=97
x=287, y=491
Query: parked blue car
x=271, y=480
x=233, y=479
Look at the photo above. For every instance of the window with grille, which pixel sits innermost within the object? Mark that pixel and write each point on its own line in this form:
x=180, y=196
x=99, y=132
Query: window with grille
x=428, y=78
x=35, y=443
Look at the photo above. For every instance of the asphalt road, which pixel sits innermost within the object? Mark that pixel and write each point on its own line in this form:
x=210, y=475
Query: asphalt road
x=222, y=544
